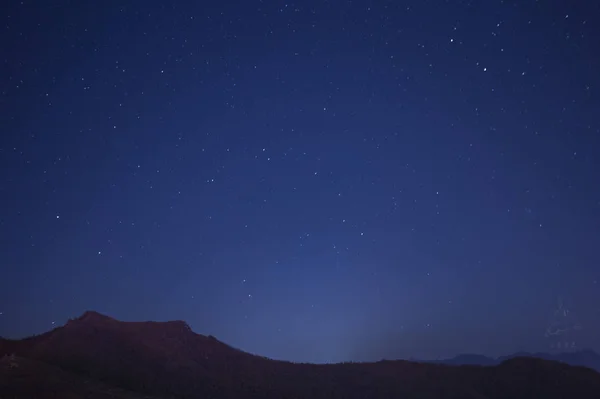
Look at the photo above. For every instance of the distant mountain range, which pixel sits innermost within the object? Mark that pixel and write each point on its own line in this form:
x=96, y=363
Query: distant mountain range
x=95, y=356
x=585, y=358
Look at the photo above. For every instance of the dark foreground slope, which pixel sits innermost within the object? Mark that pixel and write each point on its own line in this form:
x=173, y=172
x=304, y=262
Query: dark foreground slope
x=26, y=378
x=169, y=360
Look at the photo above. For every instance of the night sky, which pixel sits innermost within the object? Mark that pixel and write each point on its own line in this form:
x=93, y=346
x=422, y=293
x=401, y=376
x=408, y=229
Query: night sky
x=312, y=181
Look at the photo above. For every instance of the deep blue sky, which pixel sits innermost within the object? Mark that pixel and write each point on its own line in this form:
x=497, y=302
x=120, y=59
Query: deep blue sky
x=313, y=181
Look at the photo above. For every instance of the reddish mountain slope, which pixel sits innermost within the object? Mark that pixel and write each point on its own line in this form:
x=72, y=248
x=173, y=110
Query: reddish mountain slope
x=169, y=359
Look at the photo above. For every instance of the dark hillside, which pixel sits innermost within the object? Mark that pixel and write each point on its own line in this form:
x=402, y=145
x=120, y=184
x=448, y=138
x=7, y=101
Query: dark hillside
x=168, y=359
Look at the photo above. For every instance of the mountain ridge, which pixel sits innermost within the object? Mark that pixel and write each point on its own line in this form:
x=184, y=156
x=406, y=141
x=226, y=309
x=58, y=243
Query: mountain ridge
x=169, y=359
x=585, y=357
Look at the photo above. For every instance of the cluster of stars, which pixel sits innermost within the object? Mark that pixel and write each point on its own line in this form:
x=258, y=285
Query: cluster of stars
x=212, y=148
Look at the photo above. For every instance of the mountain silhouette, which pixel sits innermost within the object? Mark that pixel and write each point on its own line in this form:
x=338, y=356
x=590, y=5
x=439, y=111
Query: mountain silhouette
x=585, y=358
x=96, y=354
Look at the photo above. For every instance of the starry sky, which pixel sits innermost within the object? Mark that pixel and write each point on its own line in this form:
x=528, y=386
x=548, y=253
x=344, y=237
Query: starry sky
x=313, y=181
